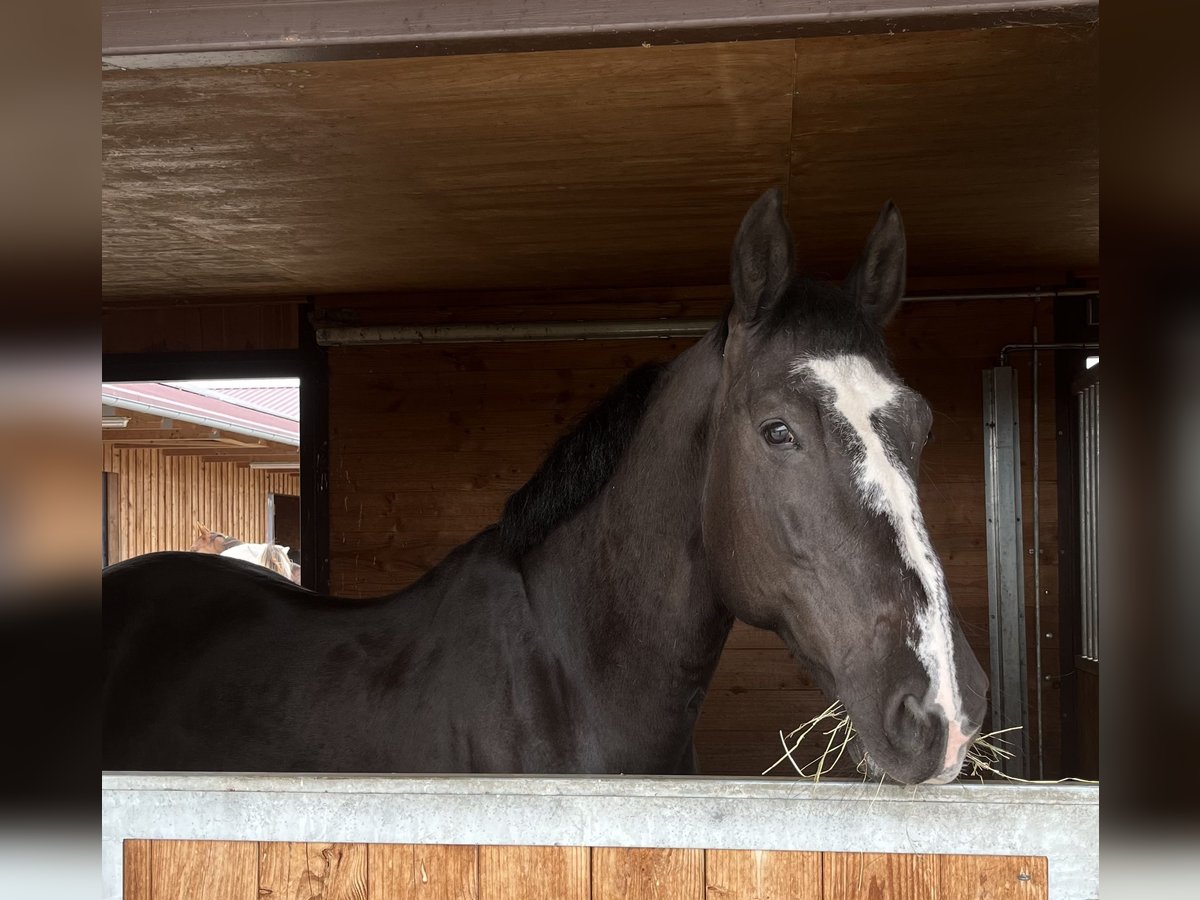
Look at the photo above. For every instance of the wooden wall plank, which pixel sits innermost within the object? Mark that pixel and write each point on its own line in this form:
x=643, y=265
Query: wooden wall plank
x=298, y=871
x=283, y=871
x=992, y=877
x=763, y=875
x=339, y=870
x=179, y=329
x=534, y=873
x=205, y=870
x=879, y=876
x=620, y=873
x=423, y=872
x=136, y=870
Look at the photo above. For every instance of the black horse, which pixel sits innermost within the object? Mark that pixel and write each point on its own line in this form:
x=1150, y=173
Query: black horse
x=767, y=473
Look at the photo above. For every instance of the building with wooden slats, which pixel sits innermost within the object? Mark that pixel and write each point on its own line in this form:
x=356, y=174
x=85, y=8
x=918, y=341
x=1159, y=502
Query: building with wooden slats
x=221, y=465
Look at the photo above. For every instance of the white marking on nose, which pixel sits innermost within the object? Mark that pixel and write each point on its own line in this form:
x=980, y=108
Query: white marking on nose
x=858, y=391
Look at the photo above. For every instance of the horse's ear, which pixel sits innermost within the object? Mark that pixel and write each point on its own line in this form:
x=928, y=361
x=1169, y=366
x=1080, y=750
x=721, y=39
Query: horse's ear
x=878, y=278
x=201, y=530
x=763, y=261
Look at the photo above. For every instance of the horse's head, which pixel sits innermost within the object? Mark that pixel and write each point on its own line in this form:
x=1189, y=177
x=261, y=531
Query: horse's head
x=811, y=515
x=208, y=541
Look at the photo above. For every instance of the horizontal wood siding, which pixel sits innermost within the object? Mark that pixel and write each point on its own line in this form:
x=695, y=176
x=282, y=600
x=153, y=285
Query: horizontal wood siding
x=157, y=499
x=426, y=442
x=268, y=324
x=230, y=870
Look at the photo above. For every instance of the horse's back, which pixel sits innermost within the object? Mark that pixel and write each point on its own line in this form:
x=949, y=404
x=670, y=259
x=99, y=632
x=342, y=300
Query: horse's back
x=218, y=665
x=182, y=630
x=174, y=585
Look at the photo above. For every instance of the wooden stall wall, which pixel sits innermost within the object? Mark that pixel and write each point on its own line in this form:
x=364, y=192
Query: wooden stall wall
x=246, y=870
x=426, y=442
x=155, y=499
x=166, y=326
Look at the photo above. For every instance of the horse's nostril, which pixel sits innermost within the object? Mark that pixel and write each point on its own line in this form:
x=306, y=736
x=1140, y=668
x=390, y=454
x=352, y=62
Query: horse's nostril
x=907, y=723
x=914, y=708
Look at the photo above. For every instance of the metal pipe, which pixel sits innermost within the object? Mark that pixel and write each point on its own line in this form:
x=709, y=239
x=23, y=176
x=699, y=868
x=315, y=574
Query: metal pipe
x=494, y=332
x=350, y=336
x=1018, y=348
x=207, y=421
x=1093, y=515
x=1037, y=558
x=1007, y=295
x=1085, y=544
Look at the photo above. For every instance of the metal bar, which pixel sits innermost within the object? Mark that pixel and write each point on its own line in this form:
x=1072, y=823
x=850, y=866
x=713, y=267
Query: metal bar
x=1092, y=561
x=1015, y=348
x=1092, y=565
x=172, y=33
x=1039, y=294
x=1094, y=518
x=1006, y=564
x=1059, y=822
x=1037, y=563
x=632, y=329
x=1085, y=569
x=343, y=336
x=1088, y=440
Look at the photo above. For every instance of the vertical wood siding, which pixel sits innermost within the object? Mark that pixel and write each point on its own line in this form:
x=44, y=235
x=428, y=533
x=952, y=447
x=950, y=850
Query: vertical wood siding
x=230, y=870
x=156, y=500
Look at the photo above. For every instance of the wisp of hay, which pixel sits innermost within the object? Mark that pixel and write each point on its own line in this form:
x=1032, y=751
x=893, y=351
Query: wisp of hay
x=836, y=714
x=984, y=754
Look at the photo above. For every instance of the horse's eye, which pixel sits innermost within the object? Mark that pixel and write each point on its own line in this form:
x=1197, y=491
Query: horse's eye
x=778, y=433
x=929, y=437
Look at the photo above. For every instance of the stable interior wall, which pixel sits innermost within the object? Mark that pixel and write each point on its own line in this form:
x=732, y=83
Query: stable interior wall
x=209, y=325
x=233, y=193
x=427, y=441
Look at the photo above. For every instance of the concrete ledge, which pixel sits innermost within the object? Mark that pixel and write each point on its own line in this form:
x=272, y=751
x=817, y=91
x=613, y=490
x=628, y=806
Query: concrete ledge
x=1058, y=822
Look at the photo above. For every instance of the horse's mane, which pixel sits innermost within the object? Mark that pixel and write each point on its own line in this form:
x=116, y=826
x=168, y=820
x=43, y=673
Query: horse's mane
x=578, y=465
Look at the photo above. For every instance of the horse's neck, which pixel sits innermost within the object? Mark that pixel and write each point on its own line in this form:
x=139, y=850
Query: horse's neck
x=626, y=576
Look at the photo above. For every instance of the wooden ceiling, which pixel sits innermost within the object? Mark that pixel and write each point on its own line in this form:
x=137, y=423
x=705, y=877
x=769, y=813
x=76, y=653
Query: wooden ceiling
x=599, y=168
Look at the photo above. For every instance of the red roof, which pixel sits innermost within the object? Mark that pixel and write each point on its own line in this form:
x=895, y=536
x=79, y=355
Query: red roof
x=280, y=401
x=176, y=400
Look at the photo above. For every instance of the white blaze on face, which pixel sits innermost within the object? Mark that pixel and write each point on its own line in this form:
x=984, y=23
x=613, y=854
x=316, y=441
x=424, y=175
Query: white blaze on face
x=857, y=391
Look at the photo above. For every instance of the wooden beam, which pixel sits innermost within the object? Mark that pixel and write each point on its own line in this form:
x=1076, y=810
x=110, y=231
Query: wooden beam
x=245, y=460
x=136, y=435
x=271, y=453
x=172, y=33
